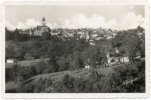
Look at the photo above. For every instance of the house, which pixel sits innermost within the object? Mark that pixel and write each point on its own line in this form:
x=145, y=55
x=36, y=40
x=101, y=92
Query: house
x=116, y=57
x=55, y=33
x=87, y=64
x=11, y=60
x=91, y=42
x=99, y=38
x=94, y=35
x=125, y=59
x=26, y=31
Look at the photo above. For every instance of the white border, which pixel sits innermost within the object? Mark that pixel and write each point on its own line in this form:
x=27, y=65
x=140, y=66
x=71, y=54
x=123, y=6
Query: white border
x=78, y=95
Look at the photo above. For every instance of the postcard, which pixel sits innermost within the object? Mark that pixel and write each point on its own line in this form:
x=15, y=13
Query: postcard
x=75, y=49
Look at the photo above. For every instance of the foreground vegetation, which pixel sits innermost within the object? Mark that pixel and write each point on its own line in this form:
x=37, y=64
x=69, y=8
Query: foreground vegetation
x=122, y=78
x=64, y=72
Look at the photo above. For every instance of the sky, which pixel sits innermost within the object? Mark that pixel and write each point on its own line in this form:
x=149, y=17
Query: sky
x=117, y=17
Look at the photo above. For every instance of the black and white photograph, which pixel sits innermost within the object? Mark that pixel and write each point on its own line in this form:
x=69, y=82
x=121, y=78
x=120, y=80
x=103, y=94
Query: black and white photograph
x=75, y=48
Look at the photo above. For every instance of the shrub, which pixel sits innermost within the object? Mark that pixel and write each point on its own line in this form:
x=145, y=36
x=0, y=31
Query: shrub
x=25, y=88
x=68, y=81
x=129, y=78
x=25, y=73
x=40, y=67
x=12, y=73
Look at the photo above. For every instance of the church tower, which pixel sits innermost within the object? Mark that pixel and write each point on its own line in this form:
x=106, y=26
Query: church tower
x=43, y=21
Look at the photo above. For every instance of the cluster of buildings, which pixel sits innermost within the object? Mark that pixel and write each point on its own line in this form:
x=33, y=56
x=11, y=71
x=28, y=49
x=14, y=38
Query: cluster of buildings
x=116, y=57
x=113, y=57
x=37, y=31
x=87, y=33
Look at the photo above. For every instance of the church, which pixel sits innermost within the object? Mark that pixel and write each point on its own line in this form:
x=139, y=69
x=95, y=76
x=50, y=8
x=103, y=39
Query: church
x=37, y=31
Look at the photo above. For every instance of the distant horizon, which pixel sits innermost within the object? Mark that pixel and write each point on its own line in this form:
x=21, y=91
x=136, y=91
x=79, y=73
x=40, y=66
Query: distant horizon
x=70, y=28
x=75, y=16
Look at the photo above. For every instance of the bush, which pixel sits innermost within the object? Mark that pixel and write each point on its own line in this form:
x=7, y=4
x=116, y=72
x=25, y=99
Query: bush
x=68, y=81
x=12, y=73
x=25, y=73
x=63, y=64
x=129, y=78
x=40, y=67
x=25, y=88
x=18, y=73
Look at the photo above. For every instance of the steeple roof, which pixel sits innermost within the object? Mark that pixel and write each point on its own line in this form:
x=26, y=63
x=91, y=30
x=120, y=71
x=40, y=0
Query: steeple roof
x=43, y=19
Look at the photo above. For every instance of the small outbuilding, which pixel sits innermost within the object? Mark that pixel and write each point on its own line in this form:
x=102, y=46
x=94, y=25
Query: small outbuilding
x=11, y=60
x=87, y=66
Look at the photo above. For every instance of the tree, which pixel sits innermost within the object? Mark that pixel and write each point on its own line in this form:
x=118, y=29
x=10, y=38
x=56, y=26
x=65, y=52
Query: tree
x=39, y=85
x=64, y=65
x=16, y=35
x=143, y=48
x=46, y=35
x=96, y=55
x=14, y=72
x=80, y=44
x=78, y=62
x=129, y=42
x=40, y=67
x=139, y=28
x=10, y=53
x=25, y=37
x=20, y=52
x=132, y=46
x=9, y=35
x=68, y=81
x=118, y=40
x=54, y=67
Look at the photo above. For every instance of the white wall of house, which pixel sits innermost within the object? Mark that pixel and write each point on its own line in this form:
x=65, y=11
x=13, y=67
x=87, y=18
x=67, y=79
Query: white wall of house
x=10, y=61
x=94, y=35
x=126, y=59
x=116, y=59
x=117, y=51
x=87, y=67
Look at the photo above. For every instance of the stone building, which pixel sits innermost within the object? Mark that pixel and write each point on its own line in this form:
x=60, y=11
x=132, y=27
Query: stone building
x=37, y=31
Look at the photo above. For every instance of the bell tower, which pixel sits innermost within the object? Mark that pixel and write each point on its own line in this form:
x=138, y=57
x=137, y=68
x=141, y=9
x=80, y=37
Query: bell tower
x=43, y=21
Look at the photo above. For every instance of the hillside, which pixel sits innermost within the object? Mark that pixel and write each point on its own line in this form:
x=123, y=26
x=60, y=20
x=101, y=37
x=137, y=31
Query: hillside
x=57, y=76
x=78, y=60
x=88, y=33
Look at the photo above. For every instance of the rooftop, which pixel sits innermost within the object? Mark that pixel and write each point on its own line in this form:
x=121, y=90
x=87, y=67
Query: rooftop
x=43, y=19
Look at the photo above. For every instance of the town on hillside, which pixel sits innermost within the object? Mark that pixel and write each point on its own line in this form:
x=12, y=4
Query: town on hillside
x=42, y=59
x=92, y=36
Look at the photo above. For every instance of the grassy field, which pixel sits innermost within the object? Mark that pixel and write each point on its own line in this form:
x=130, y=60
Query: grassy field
x=9, y=65
x=57, y=76
x=11, y=85
x=31, y=62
